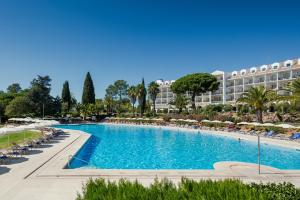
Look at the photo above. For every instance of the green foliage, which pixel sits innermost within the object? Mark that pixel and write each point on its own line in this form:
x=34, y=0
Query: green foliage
x=14, y=88
x=281, y=191
x=153, y=90
x=39, y=95
x=167, y=118
x=88, y=94
x=132, y=94
x=66, y=97
x=227, y=108
x=120, y=87
x=180, y=102
x=195, y=84
x=187, y=189
x=258, y=98
x=294, y=88
x=141, y=95
x=31, y=101
x=20, y=106
x=5, y=99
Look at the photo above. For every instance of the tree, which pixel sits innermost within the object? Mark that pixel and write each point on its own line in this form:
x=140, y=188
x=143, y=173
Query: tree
x=110, y=97
x=39, y=94
x=257, y=98
x=82, y=109
x=294, y=88
x=66, y=97
x=132, y=94
x=88, y=94
x=120, y=87
x=14, y=88
x=20, y=106
x=109, y=103
x=153, y=90
x=141, y=95
x=180, y=102
x=195, y=84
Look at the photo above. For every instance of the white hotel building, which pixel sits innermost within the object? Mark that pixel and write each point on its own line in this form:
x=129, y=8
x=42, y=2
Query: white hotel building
x=273, y=76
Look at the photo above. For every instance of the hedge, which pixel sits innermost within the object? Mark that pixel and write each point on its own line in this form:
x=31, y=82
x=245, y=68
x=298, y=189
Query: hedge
x=187, y=189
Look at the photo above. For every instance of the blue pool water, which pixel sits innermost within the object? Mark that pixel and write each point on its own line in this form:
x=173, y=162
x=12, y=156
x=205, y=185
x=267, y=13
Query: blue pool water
x=128, y=147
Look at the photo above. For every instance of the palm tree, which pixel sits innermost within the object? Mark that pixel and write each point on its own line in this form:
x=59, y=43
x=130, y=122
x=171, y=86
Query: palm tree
x=258, y=97
x=132, y=94
x=294, y=88
x=153, y=90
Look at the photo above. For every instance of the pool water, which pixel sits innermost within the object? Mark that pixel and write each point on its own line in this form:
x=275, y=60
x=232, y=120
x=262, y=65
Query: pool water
x=133, y=147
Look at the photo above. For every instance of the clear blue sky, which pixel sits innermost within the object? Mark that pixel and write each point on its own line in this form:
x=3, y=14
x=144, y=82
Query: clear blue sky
x=134, y=39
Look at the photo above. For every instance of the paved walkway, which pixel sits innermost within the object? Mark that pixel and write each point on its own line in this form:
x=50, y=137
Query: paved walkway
x=42, y=174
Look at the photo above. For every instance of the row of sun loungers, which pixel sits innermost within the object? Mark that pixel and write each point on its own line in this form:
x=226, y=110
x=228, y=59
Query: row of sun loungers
x=229, y=128
x=19, y=150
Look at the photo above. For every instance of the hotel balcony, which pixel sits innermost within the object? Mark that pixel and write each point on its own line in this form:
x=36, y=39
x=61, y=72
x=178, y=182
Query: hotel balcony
x=230, y=98
x=218, y=92
x=271, y=78
x=259, y=80
x=230, y=91
x=205, y=99
x=238, y=83
x=216, y=99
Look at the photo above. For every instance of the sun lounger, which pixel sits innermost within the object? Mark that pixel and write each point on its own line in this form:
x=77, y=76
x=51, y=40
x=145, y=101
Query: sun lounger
x=295, y=136
x=21, y=149
x=4, y=159
x=269, y=134
x=14, y=152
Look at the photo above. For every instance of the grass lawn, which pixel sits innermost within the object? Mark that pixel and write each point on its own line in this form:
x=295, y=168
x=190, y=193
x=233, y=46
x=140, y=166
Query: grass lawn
x=18, y=137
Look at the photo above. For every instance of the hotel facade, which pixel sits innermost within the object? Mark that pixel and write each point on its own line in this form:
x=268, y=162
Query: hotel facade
x=232, y=84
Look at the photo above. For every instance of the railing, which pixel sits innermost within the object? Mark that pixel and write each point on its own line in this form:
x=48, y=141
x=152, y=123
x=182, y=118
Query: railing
x=74, y=157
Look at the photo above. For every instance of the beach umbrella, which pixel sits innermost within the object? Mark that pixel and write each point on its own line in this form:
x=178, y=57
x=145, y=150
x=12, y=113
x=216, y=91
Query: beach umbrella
x=228, y=122
x=243, y=123
x=255, y=124
x=216, y=121
x=192, y=120
x=267, y=124
x=205, y=120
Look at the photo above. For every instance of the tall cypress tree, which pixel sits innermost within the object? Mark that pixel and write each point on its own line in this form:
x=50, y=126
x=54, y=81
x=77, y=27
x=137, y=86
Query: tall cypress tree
x=88, y=94
x=142, y=93
x=144, y=96
x=66, y=95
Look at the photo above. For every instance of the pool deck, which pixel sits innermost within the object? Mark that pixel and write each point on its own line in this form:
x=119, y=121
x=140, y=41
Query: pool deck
x=42, y=174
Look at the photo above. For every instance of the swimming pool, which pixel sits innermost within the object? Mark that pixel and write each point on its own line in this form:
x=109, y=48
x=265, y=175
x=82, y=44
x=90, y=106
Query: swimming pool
x=134, y=147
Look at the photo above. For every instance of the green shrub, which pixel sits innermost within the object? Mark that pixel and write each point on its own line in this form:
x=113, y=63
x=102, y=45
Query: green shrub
x=167, y=118
x=187, y=189
x=284, y=191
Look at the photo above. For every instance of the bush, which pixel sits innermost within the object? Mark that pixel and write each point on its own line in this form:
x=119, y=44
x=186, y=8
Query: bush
x=167, y=118
x=187, y=189
x=284, y=191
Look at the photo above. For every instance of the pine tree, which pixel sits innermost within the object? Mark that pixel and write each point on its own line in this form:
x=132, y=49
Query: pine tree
x=88, y=94
x=66, y=96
